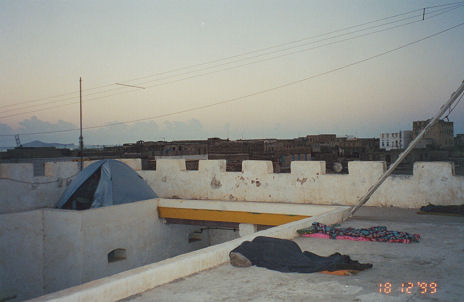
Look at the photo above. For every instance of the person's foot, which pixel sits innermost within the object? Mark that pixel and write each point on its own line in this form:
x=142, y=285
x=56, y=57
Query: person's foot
x=237, y=259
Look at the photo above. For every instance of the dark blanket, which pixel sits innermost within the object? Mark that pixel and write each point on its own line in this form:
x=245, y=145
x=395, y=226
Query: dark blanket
x=433, y=209
x=286, y=256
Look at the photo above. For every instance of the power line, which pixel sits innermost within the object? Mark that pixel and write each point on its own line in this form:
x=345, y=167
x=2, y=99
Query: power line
x=236, y=99
x=433, y=14
x=226, y=63
x=295, y=41
x=447, y=5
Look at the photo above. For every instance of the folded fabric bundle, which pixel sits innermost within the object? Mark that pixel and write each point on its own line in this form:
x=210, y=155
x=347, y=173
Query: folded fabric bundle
x=286, y=256
x=376, y=233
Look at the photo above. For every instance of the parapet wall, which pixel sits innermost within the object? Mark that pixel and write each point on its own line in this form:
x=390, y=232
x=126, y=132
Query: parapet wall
x=20, y=190
x=46, y=250
x=431, y=182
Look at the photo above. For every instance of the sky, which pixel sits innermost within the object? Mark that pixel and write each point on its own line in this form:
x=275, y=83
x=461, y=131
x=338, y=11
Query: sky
x=191, y=54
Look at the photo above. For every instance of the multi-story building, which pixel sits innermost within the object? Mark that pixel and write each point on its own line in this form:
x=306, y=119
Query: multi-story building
x=459, y=140
x=395, y=140
x=441, y=134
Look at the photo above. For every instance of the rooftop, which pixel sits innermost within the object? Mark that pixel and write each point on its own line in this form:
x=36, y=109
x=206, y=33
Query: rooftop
x=69, y=254
x=436, y=258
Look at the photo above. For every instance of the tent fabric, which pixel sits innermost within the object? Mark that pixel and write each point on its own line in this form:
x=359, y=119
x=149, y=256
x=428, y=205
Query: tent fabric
x=286, y=256
x=117, y=184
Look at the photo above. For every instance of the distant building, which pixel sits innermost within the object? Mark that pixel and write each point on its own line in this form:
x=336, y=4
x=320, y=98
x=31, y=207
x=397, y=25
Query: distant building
x=35, y=152
x=357, y=148
x=395, y=140
x=441, y=134
x=329, y=139
x=459, y=140
x=425, y=143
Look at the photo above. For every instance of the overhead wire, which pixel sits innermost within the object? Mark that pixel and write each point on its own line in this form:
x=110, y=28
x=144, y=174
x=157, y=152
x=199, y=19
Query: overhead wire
x=206, y=68
x=431, y=15
x=239, y=98
x=444, y=6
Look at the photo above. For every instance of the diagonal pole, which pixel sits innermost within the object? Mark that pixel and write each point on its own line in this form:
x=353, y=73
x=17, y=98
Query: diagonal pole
x=408, y=150
x=81, y=138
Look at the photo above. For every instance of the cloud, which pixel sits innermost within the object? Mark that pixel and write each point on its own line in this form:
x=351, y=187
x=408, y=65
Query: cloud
x=6, y=140
x=33, y=124
x=192, y=129
x=118, y=134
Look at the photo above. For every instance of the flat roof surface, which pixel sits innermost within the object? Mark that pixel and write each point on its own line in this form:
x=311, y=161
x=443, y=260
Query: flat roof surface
x=438, y=258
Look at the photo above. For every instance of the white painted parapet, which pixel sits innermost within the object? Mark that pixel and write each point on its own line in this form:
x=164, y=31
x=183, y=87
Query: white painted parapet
x=16, y=171
x=138, y=280
x=20, y=190
x=245, y=229
x=307, y=183
x=46, y=250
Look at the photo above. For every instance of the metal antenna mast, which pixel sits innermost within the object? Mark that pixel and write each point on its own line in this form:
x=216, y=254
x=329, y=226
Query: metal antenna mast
x=81, y=138
x=405, y=153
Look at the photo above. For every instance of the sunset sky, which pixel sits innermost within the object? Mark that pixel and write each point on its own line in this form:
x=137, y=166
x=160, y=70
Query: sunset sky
x=45, y=46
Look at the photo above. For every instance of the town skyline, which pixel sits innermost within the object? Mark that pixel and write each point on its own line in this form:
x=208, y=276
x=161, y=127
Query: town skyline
x=151, y=131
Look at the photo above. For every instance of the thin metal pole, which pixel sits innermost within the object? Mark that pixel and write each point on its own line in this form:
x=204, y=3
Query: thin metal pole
x=405, y=153
x=81, y=138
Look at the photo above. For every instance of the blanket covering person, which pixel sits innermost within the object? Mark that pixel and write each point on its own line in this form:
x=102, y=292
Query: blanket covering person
x=376, y=233
x=286, y=256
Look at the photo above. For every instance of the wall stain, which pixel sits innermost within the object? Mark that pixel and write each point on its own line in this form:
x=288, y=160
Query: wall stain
x=215, y=184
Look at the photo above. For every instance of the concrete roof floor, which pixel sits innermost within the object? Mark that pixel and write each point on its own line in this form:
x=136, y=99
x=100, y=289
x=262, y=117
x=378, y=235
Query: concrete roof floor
x=438, y=257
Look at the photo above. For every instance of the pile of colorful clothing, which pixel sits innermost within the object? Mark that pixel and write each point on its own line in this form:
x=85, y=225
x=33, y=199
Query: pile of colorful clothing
x=376, y=233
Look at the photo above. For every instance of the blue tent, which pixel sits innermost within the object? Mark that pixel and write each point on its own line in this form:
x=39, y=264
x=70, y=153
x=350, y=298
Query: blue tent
x=104, y=183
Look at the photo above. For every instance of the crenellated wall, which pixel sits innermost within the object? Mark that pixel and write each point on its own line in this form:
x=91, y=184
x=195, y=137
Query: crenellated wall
x=38, y=247
x=432, y=182
x=20, y=190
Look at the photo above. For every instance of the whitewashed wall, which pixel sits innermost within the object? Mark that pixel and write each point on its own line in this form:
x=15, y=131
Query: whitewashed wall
x=46, y=250
x=21, y=191
x=432, y=182
x=21, y=255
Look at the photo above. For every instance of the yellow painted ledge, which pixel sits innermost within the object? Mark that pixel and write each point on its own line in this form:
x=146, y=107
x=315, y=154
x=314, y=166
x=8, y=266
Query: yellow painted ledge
x=228, y=216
